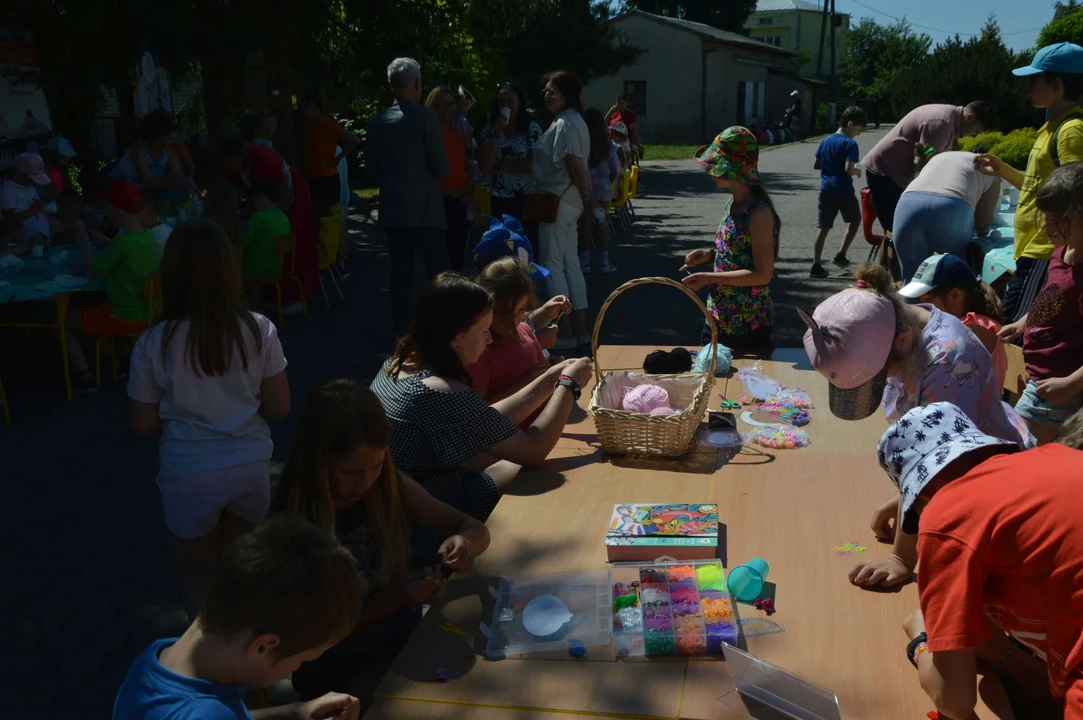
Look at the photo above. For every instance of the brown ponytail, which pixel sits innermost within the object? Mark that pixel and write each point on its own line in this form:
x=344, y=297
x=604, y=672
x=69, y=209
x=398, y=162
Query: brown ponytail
x=876, y=278
x=982, y=300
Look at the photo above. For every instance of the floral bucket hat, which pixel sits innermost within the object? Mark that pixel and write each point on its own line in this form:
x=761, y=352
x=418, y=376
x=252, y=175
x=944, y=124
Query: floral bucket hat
x=732, y=156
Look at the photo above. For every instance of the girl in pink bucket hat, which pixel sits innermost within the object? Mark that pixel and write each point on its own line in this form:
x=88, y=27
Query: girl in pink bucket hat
x=875, y=348
x=745, y=246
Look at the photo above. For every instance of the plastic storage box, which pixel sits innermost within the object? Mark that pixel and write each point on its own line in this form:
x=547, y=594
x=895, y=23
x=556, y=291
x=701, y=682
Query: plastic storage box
x=670, y=607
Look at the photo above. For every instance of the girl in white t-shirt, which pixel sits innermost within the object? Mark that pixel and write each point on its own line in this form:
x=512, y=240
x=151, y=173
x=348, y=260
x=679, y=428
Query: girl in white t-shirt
x=207, y=378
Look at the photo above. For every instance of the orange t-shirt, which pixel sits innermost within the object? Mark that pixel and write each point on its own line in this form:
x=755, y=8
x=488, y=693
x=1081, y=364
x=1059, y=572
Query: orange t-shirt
x=321, y=139
x=1006, y=541
x=455, y=146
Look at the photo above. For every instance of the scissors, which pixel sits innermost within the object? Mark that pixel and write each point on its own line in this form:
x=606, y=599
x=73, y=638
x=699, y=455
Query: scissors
x=729, y=404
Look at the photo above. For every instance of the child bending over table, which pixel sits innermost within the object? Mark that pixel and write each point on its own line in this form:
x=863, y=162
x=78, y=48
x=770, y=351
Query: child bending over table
x=745, y=246
x=21, y=203
x=515, y=358
x=126, y=262
x=947, y=283
x=268, y=222
x=340, y=477
x=873, y=348
x=1052, y=329
x=282, y=595
x=207, y=378
x=1001, y=552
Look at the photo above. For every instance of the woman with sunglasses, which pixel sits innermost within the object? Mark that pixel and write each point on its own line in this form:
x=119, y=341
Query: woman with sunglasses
x=507, y=153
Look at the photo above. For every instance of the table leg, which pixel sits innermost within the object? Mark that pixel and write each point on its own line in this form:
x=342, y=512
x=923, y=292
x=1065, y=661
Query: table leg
x=61, y=324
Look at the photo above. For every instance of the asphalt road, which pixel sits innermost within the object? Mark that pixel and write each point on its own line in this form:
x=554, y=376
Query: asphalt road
x=90, y=575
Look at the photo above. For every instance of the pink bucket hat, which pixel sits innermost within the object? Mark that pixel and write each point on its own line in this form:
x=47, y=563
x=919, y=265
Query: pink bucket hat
x=848, y=341
x=34, y=166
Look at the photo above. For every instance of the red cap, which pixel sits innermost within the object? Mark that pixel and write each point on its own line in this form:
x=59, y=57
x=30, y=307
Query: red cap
x=125, y=196
x=266, y=163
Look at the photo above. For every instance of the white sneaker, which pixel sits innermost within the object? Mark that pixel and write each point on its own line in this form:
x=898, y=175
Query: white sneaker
x=608, y=269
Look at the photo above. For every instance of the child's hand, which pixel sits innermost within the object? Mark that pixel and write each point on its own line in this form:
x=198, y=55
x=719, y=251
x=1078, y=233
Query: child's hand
x=332, y=706
x=1010, y=333
x=914, y=624
x=697, y=257
x=554, y=307
x=1057, y=390
x=419, y=589
x=698, y=281
x=882, y=520
x=989, y=165
x=457, y=553
x=883, y=572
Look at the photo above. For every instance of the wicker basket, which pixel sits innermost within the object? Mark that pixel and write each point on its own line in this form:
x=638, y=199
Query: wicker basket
x=628, y=433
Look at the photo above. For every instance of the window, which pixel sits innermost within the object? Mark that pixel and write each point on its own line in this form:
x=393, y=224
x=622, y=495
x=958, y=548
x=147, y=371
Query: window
x=767, y=21
x=635, y=93
x=778, y=41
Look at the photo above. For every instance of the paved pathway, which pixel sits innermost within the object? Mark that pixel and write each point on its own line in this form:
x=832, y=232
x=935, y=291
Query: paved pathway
x=90, y=578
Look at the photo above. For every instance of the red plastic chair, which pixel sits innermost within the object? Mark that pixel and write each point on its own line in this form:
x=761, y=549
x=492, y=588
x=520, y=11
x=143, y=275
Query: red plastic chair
x=882, y=249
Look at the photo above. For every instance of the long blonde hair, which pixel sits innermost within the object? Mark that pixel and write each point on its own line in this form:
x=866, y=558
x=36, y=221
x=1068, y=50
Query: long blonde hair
x=341, y=416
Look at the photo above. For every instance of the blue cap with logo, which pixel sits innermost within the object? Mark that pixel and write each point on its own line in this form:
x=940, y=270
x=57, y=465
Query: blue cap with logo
x=1062, y=57
x=62, y=146
x=940, y=271
x=506, y=238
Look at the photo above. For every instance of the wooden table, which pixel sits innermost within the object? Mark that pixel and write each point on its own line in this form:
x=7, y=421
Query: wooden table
x=790, y=507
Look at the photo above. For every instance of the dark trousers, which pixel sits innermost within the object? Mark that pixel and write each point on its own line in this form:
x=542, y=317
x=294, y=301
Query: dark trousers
x=325, y=193
x=1023, y=287
x=458, y=230
x=885, y=196
x=758, y=339
x=404, y=245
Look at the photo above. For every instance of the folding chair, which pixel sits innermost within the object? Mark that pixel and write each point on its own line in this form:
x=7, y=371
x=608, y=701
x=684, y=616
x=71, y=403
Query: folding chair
x=633, y=189
x=327, y=245
x=883, y=249
x=620, y=202
x=285, y=245
x=152, y=296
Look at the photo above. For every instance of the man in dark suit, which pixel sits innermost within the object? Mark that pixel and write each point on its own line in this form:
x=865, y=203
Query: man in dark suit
x=406, y=160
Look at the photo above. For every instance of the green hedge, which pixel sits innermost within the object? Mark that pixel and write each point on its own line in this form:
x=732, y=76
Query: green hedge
x=1013, y=148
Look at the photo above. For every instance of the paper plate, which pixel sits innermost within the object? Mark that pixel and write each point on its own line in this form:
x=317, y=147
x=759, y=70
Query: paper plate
x=545, y=615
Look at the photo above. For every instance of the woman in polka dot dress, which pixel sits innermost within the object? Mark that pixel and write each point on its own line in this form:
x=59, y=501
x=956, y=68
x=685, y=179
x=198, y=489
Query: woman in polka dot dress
x=461, y=449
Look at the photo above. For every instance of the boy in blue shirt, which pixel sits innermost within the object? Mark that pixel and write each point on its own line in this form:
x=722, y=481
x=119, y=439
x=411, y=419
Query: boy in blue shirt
x=282, y=595
x=836, y=159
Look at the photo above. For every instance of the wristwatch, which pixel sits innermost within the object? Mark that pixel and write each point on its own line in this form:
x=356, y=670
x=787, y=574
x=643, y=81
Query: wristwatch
x=913, y=646
x=571, y=384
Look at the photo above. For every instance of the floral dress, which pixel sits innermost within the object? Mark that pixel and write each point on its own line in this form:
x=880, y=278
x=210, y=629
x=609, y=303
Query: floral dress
x=516, y=149
x=738, y=310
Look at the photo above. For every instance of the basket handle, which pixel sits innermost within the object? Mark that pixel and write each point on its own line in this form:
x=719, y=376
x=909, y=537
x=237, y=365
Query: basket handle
x=656, y=281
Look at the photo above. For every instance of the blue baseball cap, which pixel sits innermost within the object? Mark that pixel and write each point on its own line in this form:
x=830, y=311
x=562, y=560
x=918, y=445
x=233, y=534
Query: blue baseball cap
x=940, y=271
x=1063, y=57
x=62, y=146
x=506, y=238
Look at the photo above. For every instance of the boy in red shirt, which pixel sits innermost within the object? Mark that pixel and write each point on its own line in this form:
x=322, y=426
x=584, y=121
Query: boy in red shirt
x=1000, y=553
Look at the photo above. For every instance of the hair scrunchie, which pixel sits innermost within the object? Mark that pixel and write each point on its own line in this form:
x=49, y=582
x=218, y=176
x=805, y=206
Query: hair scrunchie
x=862, y=284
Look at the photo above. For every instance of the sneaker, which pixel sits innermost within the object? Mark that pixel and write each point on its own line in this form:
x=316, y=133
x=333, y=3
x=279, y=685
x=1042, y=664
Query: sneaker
x=818, y=271
x=841, y=261
x=565, y=344
x=84, y=383
x=607, y=269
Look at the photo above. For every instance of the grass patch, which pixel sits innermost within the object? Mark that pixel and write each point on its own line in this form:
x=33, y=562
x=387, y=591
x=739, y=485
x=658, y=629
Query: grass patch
x=685, y=152
x=367, y=193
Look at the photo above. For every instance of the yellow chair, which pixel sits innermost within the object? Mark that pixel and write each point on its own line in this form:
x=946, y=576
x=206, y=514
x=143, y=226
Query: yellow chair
x=285, y=244
x=152, y=296
x=485, y=200
x=619, y=206
x=4, y=404
x=633, y=189
x=327, y=246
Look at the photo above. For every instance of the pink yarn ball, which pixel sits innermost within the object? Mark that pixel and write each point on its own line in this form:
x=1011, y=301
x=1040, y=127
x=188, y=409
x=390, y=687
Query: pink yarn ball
x=663, y=411
x=645, y=399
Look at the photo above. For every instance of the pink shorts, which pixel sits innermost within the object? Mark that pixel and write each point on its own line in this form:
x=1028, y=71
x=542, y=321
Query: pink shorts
x=194, y=503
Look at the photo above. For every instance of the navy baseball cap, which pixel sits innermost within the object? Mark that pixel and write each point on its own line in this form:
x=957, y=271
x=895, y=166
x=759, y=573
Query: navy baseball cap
x=940, y=271
x=506, y=238
x=1062, y=57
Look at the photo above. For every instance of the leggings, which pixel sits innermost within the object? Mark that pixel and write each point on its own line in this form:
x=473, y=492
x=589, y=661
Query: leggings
x=927, y=224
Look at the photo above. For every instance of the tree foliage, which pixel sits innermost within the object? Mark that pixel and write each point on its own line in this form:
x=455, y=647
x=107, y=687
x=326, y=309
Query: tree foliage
x=877, y=54
x=1069, y=28
x=723, y=14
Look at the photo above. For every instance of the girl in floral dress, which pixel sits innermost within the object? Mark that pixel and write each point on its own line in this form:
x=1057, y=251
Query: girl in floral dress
x=746, y=246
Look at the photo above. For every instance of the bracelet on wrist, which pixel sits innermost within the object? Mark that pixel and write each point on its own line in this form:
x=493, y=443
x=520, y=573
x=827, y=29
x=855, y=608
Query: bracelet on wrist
x=912, y=648
x=570, y=383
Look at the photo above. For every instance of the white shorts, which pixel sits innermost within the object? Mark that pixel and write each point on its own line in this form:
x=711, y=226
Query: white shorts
x=194, y=503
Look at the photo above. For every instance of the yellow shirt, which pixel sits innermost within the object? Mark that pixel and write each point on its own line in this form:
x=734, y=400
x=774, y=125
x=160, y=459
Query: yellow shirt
x=1030, y=240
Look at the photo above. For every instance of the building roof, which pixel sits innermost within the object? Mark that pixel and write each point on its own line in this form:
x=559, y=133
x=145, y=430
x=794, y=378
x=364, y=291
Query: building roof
x=787, y=5
x=713, y=33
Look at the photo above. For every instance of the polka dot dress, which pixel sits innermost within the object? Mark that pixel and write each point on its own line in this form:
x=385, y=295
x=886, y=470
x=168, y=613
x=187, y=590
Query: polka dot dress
x=434, y=433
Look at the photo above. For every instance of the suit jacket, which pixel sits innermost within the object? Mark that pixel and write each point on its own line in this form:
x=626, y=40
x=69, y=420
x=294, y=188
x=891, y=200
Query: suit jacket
x=406, y=159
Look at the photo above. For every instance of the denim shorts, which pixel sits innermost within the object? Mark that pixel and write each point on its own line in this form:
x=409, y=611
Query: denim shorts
x=1035, y=408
